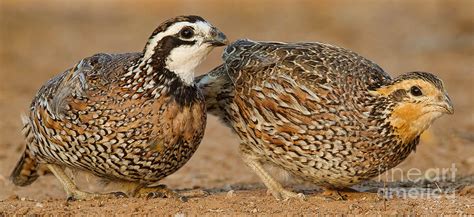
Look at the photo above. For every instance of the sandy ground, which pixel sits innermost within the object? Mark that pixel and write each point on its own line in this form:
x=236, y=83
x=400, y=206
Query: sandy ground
x=41, y=39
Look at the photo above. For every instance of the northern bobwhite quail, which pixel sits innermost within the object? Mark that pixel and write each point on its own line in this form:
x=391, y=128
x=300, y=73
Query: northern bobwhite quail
x=133, y=118
x=322, y=113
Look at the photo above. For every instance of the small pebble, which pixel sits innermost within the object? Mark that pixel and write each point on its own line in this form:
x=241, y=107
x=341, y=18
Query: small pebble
x=179, y=215
x=230, y=193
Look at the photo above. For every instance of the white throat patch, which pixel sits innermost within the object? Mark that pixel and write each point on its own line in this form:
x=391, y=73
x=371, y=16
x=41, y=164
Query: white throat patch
x=183, y=60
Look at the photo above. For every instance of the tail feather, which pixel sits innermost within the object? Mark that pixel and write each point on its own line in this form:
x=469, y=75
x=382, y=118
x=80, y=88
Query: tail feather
x=26, y=170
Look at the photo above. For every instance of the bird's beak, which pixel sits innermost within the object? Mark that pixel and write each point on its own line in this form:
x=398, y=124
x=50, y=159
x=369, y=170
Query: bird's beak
x=217, y=38
x=447, y=105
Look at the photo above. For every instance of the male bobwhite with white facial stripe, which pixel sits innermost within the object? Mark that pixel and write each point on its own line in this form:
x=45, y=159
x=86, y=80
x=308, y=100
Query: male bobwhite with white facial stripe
x=133, y=118
x=322, y=113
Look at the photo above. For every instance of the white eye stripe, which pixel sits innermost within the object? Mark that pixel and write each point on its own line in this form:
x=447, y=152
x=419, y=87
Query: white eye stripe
x=174, y=29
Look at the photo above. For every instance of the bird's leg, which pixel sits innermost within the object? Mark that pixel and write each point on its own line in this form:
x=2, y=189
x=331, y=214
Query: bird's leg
x=159, y=191
x=73, y=193
x=275, y=187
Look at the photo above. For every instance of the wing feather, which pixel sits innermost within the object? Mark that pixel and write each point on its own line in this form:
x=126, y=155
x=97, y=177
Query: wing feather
x=311, y=62
x=87, y=76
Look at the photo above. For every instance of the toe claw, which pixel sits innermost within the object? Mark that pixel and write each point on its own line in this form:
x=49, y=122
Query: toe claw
x=301, y=196
x=71, y=199
x=155, y=195
x=332, y=195
x=285, y=195
x=205, y=193
x=183, y=199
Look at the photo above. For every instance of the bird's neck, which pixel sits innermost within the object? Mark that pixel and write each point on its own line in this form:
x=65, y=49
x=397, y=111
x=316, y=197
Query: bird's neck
x=148, y=78
x=388, y=144
x=395, y=125
x=146, y=73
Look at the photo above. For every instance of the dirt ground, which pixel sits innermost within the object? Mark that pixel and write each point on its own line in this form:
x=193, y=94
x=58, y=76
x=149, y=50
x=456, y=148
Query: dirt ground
x=41, y=38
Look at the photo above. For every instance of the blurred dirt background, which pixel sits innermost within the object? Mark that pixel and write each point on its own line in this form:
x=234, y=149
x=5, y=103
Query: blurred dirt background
x=39, y=39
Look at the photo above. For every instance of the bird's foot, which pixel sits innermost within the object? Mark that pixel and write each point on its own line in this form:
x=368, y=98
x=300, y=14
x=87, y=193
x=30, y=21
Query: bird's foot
x=159, y=191
x=332, y=195
x=82, y=195
x=195, y=193
x=284, y=195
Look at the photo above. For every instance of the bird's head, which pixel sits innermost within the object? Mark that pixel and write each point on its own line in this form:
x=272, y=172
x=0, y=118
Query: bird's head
x=180, y=44
x=419, y=99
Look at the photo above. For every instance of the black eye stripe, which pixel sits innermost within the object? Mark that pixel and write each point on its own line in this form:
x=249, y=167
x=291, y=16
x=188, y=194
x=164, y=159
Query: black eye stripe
x=166, y=45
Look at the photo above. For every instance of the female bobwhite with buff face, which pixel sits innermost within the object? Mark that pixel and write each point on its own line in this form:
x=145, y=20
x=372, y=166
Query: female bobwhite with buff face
x=132, y=118
x=322, y=113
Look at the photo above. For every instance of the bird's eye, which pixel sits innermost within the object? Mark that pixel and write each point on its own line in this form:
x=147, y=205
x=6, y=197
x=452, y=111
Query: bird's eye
x=186, y=32
x=415, y=91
